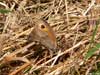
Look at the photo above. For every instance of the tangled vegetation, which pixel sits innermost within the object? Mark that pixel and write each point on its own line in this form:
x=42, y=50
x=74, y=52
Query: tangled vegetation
x=75, y=24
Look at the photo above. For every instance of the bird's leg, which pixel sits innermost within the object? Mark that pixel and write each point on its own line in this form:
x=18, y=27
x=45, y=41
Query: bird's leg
x=51, y=53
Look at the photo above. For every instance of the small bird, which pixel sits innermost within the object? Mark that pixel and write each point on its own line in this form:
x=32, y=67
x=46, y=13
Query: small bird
x=43, y=34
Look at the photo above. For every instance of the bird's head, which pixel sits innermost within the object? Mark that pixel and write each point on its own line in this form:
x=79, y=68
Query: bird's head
x=44, y=34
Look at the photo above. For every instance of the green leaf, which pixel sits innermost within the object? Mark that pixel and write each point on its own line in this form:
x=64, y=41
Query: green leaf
x=92, y=51
x=94, y=34
x=95, y=73
x=3, y=11
x=28, y=69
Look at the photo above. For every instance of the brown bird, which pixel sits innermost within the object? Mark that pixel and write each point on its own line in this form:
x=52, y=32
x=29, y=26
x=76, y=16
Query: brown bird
x=44, y=34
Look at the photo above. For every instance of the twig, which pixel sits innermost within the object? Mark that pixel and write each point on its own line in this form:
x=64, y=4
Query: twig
x=21, y=67
x=4, y=5
x=56, y=59
x=91, y=5
x=66, y=51
x=66, y=6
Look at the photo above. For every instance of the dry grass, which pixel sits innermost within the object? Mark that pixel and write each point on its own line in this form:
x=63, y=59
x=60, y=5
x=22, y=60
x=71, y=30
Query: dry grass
x=73, y=22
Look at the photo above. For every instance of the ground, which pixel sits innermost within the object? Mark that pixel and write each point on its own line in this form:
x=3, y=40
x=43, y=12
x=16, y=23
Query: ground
x=75, y=23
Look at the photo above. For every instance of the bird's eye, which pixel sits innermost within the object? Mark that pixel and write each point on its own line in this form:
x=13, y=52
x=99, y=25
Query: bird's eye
x=42, y=26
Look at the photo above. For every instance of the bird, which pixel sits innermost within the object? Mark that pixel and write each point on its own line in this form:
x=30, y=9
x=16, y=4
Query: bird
x=44, y=34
